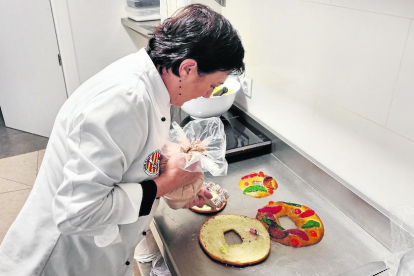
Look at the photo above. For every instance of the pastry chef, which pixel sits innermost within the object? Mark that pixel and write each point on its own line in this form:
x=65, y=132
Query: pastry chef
x=99, y=183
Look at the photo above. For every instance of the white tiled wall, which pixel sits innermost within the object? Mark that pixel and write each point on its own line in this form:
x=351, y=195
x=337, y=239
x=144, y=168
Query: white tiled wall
x=402, y=8
x=401, y=114
x=336, y=79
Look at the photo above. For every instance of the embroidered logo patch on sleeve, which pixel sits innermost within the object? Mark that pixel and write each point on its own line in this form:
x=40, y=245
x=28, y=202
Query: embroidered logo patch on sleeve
x=152, y=163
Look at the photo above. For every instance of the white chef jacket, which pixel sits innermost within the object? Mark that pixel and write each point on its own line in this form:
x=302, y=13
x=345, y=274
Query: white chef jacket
x=105, y=142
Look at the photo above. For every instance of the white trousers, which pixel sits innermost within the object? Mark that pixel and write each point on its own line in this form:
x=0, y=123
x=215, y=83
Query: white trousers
x=147, y=249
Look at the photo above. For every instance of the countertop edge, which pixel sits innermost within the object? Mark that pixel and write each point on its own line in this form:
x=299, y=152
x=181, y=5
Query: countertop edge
x=143, y=28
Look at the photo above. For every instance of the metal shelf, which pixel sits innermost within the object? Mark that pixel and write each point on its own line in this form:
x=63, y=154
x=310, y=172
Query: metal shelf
x=144, y=28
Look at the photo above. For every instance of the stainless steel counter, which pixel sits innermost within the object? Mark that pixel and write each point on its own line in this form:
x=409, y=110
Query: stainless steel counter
x=344, y=246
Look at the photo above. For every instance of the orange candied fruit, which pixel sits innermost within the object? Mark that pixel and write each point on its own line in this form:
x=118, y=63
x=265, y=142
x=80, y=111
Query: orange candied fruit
x=294, y=242
x=246, y=184
x=313, y=233
x=271, y=203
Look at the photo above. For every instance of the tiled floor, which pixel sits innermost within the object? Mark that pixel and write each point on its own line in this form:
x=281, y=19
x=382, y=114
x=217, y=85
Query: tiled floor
x=14, y=142
x=17, y=175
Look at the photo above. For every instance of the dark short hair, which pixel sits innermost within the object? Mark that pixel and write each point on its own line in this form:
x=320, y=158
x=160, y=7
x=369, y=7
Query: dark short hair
x=197, y=32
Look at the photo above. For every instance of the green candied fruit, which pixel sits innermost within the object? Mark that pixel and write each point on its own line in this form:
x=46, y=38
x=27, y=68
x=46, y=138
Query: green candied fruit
x=292, y=204
x=267, y=221
x=255, y=188
x=278, y=226
x=272, y=223
x=311, y=224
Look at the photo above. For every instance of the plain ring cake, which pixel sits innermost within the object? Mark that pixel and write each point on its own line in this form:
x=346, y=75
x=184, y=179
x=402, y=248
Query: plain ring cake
x=254, y=248
x=309, y=229
x=257, y=185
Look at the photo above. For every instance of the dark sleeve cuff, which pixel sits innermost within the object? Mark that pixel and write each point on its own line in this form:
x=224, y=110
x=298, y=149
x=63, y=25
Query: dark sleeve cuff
x=149, y=192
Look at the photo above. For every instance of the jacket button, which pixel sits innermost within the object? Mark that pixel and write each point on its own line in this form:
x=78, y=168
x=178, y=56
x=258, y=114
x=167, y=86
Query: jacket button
x=163, y=119
x=127, y=263
x=144, y=233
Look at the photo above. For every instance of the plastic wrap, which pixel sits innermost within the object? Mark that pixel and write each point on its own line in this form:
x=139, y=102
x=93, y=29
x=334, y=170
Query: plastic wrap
x=401, y=261
x=203, y=145
x=202, y=142
x=159, y=267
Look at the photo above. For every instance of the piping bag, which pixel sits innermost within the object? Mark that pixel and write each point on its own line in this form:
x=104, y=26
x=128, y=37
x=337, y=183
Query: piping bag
x=202, y=143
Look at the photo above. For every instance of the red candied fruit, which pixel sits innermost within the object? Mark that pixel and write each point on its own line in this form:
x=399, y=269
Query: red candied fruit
x=271, y=202
x=271, y=191
x=301, y=234
x=271, y=209
x=298, y=211
x=249, y=176
x=294, y=242
x=313, y=233
x=261, y=174
x=307, y=213
x=246, y=183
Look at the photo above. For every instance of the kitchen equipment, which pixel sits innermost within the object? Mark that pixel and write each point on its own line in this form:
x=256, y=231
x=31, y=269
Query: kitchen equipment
x=169, y=7
x=143, y=10
x=244, y=137
x=213, y=106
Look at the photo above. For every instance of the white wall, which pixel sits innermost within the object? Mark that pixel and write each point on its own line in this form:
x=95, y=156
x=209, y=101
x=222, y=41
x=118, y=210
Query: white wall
x=211, y=3
x=32, y=87
x=335, y=78
x=98, y=38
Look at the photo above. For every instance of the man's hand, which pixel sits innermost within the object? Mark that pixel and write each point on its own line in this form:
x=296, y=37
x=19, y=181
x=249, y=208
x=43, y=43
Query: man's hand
x=198, y=200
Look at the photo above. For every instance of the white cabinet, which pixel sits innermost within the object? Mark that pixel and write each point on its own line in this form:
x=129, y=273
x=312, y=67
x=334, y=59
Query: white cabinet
x=32, y=86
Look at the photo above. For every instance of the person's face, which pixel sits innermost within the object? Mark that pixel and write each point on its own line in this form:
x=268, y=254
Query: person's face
x=201, y=86
x=194, y=86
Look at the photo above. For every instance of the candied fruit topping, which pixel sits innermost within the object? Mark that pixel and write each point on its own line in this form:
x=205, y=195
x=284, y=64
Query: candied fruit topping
x=278, y=226
x=277, y=233
x=297, y=211
x=311, y=224
x=255, y=188
x=267, y=221
x=313, y=233
x=249, y=176
x=271, y=209
x=267, y=179
x=294, y=242
x=307, y=213
x=301, y=234
x=271, y=202
x=292, y=204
